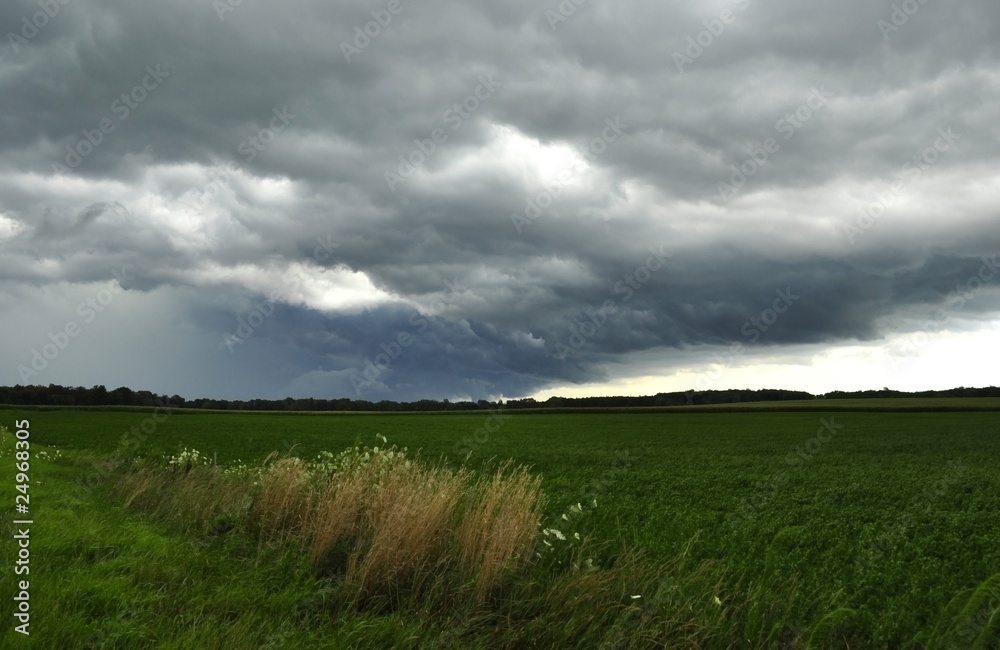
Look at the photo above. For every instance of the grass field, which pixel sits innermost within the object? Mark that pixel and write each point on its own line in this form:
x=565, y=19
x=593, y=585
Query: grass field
x=889, y=514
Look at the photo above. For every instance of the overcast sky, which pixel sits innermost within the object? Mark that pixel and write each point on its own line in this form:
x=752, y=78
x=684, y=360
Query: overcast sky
x=404, y=200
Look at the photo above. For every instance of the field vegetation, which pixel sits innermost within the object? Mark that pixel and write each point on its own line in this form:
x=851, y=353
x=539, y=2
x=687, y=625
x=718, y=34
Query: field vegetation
x=713, y=529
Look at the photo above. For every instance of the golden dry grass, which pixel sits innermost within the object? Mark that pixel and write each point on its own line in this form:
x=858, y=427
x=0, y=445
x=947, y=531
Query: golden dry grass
x=407, y=527
x=498, y=530
x=283, y=505
x=335, y=518
x=387, y=526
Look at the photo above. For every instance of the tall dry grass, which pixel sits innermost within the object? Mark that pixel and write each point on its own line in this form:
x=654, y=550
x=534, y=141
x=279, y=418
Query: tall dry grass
x=400, y=534
x=282, y=508
x=335, y=520
x=406, y=530
x=387, y=526
x=498, y=531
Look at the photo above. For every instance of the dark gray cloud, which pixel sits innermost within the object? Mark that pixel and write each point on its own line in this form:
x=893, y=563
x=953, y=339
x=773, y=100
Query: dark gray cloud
x=534, y=198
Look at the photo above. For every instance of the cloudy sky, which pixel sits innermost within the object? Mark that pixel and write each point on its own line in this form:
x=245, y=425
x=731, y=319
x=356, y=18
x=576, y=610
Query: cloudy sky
x=398, y=200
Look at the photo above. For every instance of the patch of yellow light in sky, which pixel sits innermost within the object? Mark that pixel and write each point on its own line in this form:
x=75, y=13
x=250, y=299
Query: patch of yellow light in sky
x=942, y=360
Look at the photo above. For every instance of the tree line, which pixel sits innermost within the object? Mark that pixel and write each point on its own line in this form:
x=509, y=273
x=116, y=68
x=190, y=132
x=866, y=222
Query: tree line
x=56, y=395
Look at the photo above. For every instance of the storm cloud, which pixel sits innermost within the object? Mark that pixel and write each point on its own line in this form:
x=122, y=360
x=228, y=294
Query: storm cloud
x=399, y=200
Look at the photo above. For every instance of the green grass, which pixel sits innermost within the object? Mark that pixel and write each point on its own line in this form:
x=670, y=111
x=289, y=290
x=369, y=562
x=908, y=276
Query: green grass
x=892, y=517
x=104, y=578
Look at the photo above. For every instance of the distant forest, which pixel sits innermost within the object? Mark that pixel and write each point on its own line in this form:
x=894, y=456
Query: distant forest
x=55, y=395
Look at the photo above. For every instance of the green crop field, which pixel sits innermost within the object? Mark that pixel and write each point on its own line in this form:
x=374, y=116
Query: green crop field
x=891, y=515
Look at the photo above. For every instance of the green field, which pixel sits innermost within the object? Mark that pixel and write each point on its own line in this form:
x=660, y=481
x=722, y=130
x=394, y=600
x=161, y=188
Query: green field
x=890, y=514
